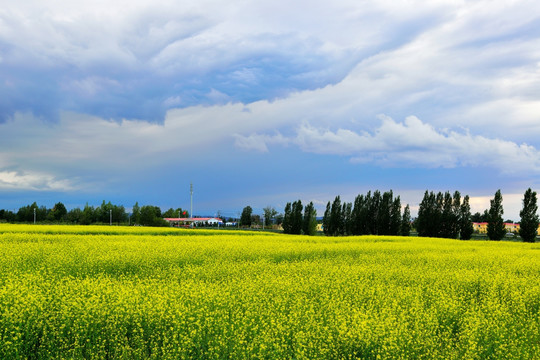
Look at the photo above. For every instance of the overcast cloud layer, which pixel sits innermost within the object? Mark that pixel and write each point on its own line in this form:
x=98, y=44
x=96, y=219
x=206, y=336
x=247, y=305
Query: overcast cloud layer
x=351, y=93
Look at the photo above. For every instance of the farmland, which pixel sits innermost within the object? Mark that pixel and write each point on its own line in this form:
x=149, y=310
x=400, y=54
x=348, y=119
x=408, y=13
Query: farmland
x=161, y=293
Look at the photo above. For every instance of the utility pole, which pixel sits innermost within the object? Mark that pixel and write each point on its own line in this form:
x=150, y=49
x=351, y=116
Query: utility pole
x=110, y=217
x=191, y=193
x=34, y=216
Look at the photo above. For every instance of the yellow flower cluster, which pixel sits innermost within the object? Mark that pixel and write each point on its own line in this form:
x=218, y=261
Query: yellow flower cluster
x=69, y=292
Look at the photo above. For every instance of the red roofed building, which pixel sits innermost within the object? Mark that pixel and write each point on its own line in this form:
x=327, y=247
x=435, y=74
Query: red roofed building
x=202, y=221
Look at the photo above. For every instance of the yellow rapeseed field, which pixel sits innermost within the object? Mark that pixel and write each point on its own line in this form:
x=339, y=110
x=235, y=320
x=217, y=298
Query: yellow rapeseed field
x=69, y=292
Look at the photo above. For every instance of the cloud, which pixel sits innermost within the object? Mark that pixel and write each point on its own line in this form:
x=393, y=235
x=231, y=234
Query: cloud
x=258, y=142
x=86, y=151
x=125, y=60
x=12, y=180
x=410, y=143
x=512, y=205
x=120, y=90
x=253, y=142
x=136, y=60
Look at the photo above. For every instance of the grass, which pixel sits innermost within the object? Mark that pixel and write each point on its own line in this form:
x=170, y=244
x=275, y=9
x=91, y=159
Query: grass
x=143, y=293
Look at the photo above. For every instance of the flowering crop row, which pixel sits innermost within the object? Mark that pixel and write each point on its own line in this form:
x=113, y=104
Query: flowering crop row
x=75, y=294
x=113, y=230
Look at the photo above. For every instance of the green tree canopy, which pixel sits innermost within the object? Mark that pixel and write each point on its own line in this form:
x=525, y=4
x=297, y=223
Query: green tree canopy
x=59, y=211
x=269, y=213
x=529, y=217
x=466, y=226
x=406, y=222
x=296, y=217
x=395, y=216
x=496, y=228
x=151, y=216
x=245, y=218
x=346, y=219
x=287, y=219
x=136, y=214
x=170, y=213
x=326, y=219
x=310, y=220
x=336, y=217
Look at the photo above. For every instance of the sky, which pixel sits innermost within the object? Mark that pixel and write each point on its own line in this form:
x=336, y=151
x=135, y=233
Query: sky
x=261, y=103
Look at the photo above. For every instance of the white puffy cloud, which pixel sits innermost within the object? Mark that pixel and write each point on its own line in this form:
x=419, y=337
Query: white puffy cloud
x=12, y=180
x=258, y=142
x=78, y=142
x=410, y=143
x=80, y=148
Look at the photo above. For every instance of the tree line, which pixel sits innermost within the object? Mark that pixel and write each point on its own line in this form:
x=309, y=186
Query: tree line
x=299, y=220
x=296, y=218
x=440, y=214
x=444, y=215
x=370, y=214
x=448, y=216
x=106, y=213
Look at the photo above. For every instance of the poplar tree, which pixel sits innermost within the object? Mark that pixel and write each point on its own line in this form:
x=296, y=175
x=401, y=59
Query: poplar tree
x=287, y=219
x=437, y=214
x=374, y=206
x=496, y=228
x=456, y=214
x=440, y=215
x=310, y=220
x=363, y=215
x=326, y=219
x=466, y=226
x=430, y=211
x=529, y=217
x=346, y=219
x=383, y=213
x=335, y=217
x=356, y=215
x=296, y=218
x=447, y=217
x=370, y=222
x=395, y=217
x=136, y=214
x=406, y=222
x=423, y=215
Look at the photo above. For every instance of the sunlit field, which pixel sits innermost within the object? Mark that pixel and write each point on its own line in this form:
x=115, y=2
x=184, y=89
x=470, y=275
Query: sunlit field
x=69, y=292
